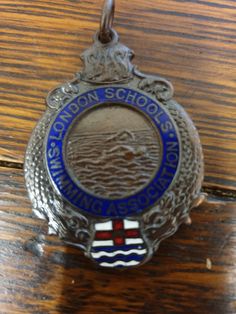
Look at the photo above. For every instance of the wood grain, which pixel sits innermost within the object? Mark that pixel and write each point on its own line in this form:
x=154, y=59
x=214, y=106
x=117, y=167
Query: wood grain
x=45, y=276
x=192, y=43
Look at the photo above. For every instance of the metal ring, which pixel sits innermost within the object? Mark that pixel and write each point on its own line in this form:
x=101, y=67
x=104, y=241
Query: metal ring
x=107, y=17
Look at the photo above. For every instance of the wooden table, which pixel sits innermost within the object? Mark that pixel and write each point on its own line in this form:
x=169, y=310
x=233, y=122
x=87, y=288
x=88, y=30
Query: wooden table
x=192, y=43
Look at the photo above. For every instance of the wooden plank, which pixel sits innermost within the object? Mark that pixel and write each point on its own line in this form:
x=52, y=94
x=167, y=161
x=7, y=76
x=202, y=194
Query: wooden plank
x=193, y=272
x=192, y=43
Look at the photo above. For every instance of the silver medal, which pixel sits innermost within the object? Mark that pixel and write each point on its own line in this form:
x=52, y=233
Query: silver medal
x=115, y=164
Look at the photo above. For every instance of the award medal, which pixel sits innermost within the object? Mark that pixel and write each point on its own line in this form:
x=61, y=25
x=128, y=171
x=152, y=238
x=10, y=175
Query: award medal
x=115, y=164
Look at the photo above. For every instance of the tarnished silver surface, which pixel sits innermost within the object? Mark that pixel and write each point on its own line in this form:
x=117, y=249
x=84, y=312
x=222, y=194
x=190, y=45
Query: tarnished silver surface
x=113, y=150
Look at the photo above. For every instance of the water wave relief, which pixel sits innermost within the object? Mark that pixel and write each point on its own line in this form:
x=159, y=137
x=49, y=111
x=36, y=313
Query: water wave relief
x=114, y=165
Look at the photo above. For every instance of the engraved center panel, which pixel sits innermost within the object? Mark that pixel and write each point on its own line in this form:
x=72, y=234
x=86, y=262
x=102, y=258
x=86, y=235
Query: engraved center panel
x=113, y=151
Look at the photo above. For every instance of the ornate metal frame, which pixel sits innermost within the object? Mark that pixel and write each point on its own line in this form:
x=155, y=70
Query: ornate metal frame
x=108, y=63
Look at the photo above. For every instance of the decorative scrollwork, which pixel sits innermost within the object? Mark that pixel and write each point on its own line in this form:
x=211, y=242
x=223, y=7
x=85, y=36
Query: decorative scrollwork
x=155, y=85
x=175, y=206
x=47, y=204
x=62, y=94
